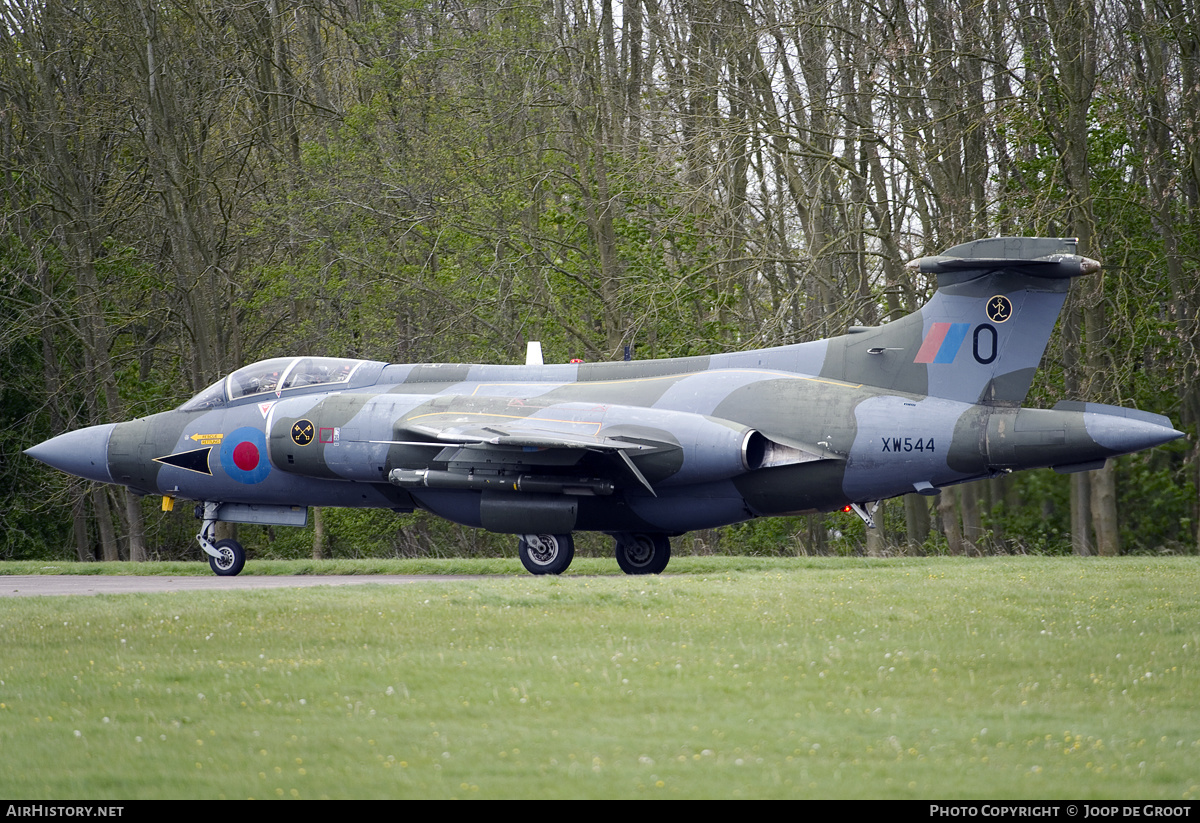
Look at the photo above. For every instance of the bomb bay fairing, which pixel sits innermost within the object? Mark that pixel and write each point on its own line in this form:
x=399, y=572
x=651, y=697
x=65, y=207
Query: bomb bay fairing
x=639, y=450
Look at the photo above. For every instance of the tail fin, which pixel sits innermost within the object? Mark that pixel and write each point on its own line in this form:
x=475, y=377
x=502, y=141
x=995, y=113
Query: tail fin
x=981, y=337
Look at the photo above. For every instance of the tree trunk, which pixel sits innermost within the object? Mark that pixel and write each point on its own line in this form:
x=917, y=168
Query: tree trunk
x=109, y=548
x=916, y=521
x=1104, y=510
x=972, y=528
x=318, y=548
x=948, y=510
x=137, y=527
x=1081, y=514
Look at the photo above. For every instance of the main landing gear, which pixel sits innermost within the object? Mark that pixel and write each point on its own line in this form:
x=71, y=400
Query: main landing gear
x=643, y=553
x=225, y=557
x=636, y=553
x=546, y=553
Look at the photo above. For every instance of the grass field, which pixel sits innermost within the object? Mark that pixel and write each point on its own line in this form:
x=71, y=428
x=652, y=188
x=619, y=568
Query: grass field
x=915, y=678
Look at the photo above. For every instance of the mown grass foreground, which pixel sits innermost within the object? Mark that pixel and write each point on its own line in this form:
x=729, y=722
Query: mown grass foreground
x=916, y=678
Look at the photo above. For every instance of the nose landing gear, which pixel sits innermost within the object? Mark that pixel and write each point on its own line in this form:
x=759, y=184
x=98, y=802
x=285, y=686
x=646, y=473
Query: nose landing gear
x=230, y=559
x=225, y=557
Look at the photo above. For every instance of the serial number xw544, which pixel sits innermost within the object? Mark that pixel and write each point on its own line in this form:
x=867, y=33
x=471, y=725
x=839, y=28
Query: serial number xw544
x=907, y=444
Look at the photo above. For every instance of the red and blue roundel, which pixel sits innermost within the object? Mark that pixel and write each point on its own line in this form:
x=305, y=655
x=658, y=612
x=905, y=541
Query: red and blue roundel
x=244, y=455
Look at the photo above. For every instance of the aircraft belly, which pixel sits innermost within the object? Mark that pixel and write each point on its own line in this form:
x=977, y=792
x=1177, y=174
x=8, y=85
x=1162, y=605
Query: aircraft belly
x=701, y=506
x=337, y=493
x=460, y=507
x=794, y=489
x=283, y=490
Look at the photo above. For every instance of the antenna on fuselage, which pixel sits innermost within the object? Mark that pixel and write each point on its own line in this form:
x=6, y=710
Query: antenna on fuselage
x=533, y=353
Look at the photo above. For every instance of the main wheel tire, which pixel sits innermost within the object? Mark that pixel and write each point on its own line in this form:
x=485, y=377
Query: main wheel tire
x=643, y=553
x=546, y=553
x=232, y=558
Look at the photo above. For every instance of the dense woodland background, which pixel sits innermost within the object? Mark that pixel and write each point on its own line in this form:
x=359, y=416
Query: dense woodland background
x=187, y=186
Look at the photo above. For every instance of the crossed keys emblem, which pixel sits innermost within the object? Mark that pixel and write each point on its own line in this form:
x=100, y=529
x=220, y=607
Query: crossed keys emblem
x=999, y=309
x=302, y=432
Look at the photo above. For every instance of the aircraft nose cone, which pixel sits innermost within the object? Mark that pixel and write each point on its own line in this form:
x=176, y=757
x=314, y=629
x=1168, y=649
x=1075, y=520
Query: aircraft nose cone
x=83, y=453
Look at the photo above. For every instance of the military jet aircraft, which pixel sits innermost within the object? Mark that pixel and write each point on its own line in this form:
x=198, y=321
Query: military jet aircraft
x=640, y=450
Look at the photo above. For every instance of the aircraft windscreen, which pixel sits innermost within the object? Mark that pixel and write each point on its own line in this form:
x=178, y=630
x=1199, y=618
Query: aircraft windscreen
x=319, y=371
x=214, y=395
x=257, y=378
x=275, y=375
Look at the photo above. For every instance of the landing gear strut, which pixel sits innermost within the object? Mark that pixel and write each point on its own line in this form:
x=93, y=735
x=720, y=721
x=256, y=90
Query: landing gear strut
x=867, y=515
x=546, y=553
x=643, y=553
x=225, y=557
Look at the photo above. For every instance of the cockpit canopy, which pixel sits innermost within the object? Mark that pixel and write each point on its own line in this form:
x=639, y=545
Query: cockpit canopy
x=274, y=376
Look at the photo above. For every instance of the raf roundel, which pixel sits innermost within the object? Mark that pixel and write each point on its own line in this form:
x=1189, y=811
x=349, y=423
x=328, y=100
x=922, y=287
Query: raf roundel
x=244, y=455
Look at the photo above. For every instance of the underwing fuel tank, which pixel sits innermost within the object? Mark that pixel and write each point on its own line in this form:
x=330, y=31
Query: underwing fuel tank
x=1072, y=436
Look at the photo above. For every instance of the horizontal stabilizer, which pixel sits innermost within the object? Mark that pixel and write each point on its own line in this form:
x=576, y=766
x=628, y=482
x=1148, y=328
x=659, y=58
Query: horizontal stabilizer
x=1049, y=257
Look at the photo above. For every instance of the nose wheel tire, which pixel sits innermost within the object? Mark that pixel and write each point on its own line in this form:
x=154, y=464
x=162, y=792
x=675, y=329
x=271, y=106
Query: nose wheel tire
x=643, y=553
x=231, y=559
x=546, y=553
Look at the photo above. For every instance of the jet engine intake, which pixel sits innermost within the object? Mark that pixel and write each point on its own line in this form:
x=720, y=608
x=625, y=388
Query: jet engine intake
x=761, y=452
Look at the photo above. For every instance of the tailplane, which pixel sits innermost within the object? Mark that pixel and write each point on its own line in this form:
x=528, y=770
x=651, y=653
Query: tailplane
x=981, y=336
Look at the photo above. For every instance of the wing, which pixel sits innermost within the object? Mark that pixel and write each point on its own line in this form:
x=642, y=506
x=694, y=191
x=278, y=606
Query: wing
x=488, y=442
